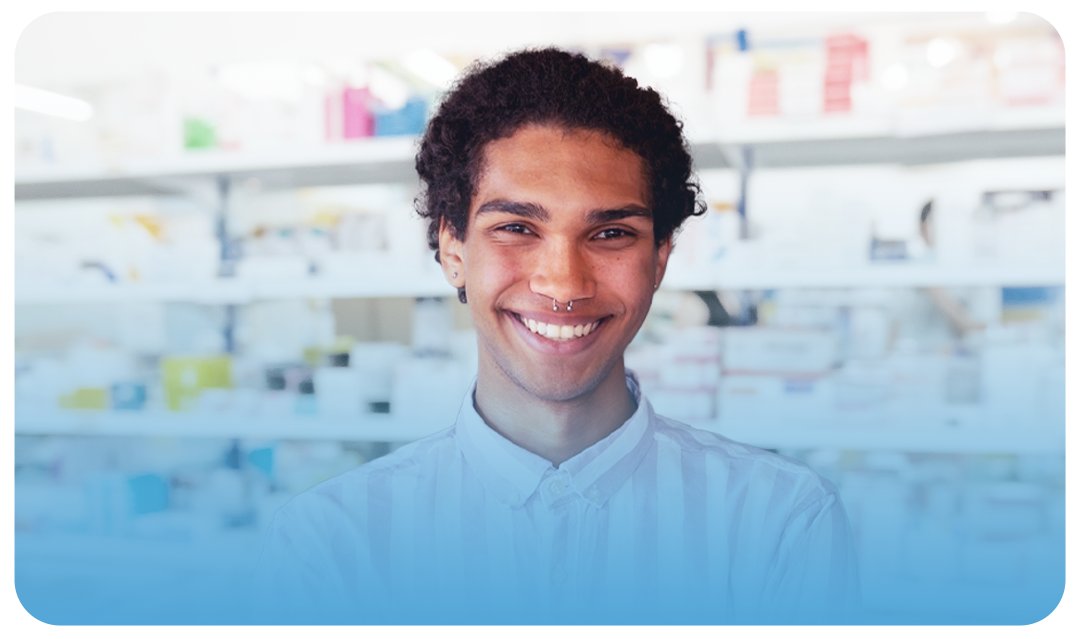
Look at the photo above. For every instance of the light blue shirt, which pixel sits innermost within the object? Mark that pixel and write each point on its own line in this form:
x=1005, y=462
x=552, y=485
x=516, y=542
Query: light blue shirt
x=656, y=523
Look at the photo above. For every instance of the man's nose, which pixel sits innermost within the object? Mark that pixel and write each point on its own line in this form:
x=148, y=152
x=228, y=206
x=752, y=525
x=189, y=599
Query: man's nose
x=563, y=273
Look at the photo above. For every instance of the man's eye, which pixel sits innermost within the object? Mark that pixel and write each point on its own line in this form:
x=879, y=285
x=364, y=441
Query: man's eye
x=611, y=234
x=515, y=228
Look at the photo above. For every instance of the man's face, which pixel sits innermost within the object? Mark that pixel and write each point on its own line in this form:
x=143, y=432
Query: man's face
x=558, y=215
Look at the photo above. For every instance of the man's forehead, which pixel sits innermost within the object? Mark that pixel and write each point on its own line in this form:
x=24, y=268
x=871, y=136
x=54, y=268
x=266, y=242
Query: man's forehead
x=560, y=132
x=539, y=152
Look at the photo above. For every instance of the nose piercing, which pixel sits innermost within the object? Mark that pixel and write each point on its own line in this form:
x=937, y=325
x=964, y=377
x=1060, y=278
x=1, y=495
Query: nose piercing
x=555, y=305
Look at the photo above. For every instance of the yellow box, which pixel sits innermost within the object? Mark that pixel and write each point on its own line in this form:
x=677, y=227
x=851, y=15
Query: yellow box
x=85, y=398
x=184, y=378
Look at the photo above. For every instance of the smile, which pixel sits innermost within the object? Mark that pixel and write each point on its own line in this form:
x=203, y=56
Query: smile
x=558, y=332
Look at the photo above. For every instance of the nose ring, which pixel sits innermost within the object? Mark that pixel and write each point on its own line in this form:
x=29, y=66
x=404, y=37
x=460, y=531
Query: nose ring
x=555, y=305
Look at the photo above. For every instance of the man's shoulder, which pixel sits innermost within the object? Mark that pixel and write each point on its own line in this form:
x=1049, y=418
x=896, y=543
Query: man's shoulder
x=743, y=460
x=347, y=489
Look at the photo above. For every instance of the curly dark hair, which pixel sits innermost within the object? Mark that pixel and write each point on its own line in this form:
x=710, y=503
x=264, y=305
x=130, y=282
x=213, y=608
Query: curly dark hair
x=549, y=86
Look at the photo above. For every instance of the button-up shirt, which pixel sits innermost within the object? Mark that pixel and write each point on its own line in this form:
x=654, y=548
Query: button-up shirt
x=656, y=523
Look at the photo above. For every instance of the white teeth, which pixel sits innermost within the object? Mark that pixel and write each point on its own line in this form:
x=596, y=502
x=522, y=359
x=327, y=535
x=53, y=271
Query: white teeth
x=556, y=332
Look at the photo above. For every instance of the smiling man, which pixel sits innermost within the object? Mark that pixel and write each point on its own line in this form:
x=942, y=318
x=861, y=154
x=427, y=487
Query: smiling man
x=554, y=186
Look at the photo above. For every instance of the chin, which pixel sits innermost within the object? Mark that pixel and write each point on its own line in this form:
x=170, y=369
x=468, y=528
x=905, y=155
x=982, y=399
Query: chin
x=552, y=386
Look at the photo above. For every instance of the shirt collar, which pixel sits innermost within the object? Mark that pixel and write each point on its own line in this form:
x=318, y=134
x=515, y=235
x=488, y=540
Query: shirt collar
x=512, y=474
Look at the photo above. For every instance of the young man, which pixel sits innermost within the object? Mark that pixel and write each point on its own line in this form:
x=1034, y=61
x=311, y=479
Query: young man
x=554, y=186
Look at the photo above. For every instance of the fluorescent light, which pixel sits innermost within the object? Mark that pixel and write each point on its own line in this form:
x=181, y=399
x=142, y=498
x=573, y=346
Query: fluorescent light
x=663, y=60
x=50, y=103
x=431, y=67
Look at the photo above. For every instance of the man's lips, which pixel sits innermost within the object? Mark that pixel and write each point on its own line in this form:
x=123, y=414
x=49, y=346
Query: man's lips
x=562, y=329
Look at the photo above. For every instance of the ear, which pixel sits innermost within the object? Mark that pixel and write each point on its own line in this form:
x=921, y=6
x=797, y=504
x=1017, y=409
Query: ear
x=451, y=255
x=662, y=253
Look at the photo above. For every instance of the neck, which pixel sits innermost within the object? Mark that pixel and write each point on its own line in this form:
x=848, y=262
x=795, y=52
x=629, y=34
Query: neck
x=553, y=429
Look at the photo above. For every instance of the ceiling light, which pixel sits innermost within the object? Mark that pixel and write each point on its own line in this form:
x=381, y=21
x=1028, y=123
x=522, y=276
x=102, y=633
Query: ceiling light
x=431, y=67
x=50, y=103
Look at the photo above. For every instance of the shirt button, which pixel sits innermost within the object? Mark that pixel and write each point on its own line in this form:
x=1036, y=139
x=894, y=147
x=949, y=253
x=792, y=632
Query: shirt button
x=594, y=494
x=558, y=575
x=556, y=488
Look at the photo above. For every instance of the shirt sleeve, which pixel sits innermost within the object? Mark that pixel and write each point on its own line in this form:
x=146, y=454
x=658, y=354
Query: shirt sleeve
x=815, y=578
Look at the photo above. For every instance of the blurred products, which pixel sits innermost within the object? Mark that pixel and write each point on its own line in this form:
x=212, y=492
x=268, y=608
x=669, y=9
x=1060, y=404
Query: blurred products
x=184, y=378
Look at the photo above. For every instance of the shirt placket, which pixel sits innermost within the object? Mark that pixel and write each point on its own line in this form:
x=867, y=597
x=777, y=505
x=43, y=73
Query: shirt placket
x=558, y=494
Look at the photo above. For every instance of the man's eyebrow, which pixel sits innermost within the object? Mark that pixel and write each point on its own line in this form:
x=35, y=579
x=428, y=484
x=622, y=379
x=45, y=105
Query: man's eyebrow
x=611, y=215
x=523, y=209
x=536, y=212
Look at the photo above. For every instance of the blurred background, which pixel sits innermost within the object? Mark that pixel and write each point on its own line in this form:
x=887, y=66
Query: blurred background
x=223, y=295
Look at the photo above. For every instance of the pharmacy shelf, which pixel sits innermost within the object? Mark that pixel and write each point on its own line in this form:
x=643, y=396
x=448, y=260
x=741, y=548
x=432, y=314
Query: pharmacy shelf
x=394, y=283
x=390, y=160
x=371, y=428
x=943, y=440
x=914, y=150
x=391, y=283
x=863, y=276
x=387, y=428
x=369, y=161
